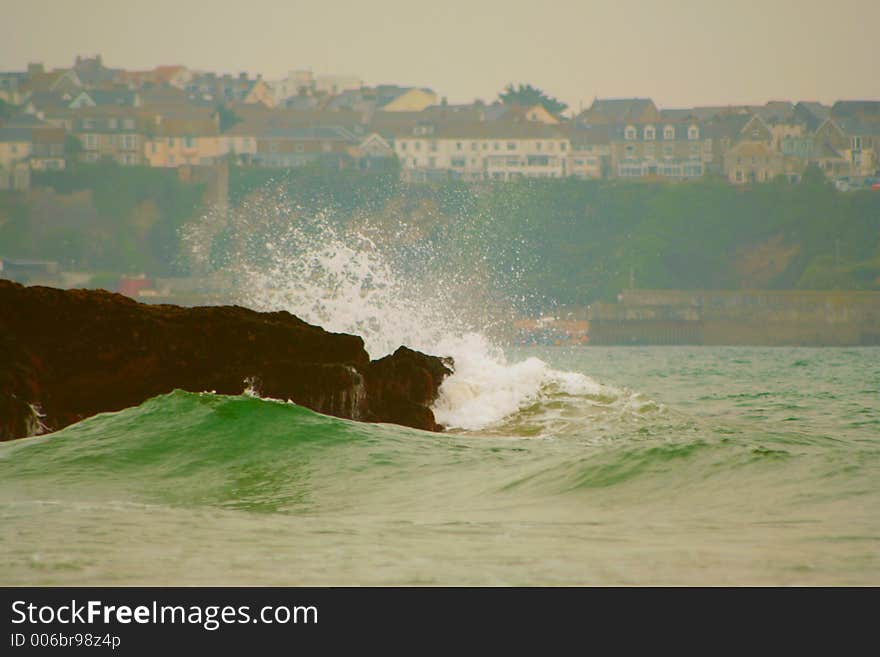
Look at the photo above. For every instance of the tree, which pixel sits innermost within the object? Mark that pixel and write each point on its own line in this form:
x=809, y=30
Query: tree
x=5, y=110
x=228, y=118
x=813, y=176
x=526, y=94
x=73, y=148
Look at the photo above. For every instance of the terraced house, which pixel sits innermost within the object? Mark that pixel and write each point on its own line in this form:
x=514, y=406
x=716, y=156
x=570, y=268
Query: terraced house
x=643, y=142
x=298, y=146
x=110, y=133
x=189, y=136
x=666, y=149
x=495, y=150
x=32, y=142
x=15, y=146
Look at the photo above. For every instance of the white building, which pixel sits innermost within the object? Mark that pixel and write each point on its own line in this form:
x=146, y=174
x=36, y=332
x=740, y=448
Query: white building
x=294, y=84
x=336, y=84
x=483, y=151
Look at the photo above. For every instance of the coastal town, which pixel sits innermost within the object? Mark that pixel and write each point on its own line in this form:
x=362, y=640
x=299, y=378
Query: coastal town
x=195, y=127
x=173, y=117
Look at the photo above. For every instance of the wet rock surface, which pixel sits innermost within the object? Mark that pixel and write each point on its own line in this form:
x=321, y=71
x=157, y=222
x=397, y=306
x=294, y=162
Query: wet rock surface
x=68, y=354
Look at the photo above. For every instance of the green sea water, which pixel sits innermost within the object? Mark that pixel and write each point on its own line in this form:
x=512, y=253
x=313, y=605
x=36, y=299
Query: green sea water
x=682, y=466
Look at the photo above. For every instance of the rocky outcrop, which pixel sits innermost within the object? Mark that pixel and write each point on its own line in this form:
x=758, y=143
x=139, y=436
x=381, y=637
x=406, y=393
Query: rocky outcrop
x=69, y=354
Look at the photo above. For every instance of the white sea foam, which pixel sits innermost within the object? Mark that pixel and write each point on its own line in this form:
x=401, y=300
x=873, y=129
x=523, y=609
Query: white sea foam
x=347, y=280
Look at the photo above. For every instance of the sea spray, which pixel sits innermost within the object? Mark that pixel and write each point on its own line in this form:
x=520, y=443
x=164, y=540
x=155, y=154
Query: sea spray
x=388, y=282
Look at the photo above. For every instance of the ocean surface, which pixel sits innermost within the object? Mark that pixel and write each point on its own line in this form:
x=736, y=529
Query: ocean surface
x=560, y=466
x=580, y=465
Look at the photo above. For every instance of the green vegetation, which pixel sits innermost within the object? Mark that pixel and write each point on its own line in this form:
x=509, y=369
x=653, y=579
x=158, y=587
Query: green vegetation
x=100, y=216
x=228, y=118
x=583, y=239
x=575, y=241
x=565, y=241
x=318, y=189
x=6, y=109
x=526, y=94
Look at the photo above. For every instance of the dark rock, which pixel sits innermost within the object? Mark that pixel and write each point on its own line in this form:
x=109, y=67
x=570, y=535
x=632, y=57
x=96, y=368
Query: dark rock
x=69, y=354
x=402, y=386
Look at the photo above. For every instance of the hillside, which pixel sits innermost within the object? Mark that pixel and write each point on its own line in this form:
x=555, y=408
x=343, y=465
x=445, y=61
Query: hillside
x=554, y=241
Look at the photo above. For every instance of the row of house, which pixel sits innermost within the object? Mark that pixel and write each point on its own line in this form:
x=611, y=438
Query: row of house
x=171, y=117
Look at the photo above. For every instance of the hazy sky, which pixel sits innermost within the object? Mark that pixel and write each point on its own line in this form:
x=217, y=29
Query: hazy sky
x=678, y=52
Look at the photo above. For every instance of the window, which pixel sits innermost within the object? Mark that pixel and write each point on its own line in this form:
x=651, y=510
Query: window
x=458, y=145
x=693, y=132
x=562, y=146
x=669, y=132
x=474, y=146
x=649, y=150
x=856, y=143
x=650, y=133
x=154, y=147
x=668, y=151
x=91, y=141
x=538, y=145
x=171, y=142
x=496, y=146
x=189, y=142
x=170, y=159
x=458, y=162
x=433, y=146
x=129, y=124
x=432, y=162
x=299, y=148
x=403, y=145
x=629, y=133
x=511, y=146
x=327, y=146
x=418, y=145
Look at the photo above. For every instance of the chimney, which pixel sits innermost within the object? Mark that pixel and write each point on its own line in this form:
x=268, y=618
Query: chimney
x=35, y=68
